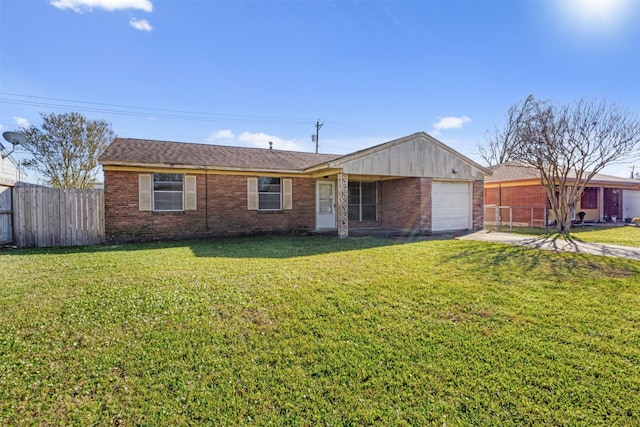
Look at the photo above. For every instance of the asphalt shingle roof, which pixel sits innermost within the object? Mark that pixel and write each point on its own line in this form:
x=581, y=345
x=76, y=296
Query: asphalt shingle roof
x=512, y=171
x=127, y=151
x=515, y=171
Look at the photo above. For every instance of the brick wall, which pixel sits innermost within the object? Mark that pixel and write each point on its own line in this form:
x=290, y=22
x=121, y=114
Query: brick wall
x=404, y=204
x=221, y=210
x=522, y=199
x=530, y=195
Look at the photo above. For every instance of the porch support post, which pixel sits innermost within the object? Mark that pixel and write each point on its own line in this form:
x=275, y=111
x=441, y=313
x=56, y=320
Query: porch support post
x=601, y=202
x=343, y=205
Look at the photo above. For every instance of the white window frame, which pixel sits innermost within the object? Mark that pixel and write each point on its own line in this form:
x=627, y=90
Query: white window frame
x=154, y=191
x=260, y=193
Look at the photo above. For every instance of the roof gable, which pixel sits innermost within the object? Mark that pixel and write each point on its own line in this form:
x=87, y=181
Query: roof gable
x=417, y=155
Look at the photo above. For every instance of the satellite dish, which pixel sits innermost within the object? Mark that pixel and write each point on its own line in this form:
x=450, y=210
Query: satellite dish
x=15, y=138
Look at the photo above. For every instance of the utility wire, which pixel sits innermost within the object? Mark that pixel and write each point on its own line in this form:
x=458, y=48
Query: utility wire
x=163, y=113
x=40, y=101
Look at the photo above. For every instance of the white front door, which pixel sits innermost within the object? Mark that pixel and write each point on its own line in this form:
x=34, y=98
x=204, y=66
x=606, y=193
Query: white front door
x=325, y=204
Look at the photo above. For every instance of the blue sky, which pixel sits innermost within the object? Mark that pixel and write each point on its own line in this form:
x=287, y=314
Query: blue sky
x=246, y=73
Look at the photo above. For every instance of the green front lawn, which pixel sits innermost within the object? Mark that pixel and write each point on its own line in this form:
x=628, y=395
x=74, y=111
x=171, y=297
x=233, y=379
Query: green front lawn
x=318, y=331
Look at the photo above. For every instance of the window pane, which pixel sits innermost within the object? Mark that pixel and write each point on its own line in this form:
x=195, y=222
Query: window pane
x=354, y=192
x=269, y=201
x=368, y=212
x=167, y=186
x=167, y=201
x=354, y=212
x=368, y=193
x=174, y=177
x=268, y=185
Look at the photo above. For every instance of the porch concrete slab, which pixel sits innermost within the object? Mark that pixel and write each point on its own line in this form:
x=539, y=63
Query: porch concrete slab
x=394, y=233
x=556, y=245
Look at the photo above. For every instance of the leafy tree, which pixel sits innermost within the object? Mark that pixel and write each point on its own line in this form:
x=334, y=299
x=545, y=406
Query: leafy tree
x=65, y=151
x=568, y=144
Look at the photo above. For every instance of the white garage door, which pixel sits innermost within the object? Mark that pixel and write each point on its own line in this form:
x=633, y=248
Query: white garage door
x=450, y=206
x=631, y=203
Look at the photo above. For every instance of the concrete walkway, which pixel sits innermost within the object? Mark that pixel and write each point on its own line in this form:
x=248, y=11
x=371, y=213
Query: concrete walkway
x=557, y=245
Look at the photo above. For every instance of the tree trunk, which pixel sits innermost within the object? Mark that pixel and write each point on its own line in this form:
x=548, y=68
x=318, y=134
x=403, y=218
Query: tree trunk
x=564, y=226
x=562, y=213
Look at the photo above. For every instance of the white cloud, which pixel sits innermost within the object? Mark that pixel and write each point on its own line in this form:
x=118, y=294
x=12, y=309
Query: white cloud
x=140, y=24
x=81, y=6
x=21, y=122
x=255, y=140
x=450, y=122
x=221, y=136
x=261, y=140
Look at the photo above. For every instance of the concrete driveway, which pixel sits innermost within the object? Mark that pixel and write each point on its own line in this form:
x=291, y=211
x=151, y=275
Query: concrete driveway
x=557, y=245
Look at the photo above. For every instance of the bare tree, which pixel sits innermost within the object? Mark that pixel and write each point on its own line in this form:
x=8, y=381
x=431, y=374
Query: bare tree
x=502, y=143
x=65, y=151
x=569, y=144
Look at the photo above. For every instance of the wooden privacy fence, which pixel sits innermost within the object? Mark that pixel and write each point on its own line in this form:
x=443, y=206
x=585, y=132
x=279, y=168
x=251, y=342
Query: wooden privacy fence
x=52, y=217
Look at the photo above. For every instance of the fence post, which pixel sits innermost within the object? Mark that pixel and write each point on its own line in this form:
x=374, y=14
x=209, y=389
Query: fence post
x=531, y=218
x=510, y=217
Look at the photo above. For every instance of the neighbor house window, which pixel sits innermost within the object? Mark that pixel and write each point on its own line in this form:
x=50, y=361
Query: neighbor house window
x=362, y=201
x=589, y=199
x=168, y=189
x=269, y=194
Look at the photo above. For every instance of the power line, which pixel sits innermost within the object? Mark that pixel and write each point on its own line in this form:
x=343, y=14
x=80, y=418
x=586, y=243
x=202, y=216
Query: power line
x=174, y=114
x=39, y=101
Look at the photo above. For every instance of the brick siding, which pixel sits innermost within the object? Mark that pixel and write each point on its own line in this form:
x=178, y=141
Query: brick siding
x=523, y=199
x=221, y=210
x=405, y=203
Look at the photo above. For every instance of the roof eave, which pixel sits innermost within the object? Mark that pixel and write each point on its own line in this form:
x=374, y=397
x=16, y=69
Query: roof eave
x=198, y=167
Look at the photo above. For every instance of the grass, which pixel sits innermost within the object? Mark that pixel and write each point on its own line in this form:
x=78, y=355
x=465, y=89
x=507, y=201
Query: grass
x=318, y=331
x=625, y=236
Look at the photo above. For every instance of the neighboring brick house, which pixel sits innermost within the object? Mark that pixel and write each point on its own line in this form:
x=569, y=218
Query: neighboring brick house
x=519, y=190
x=159, y=189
